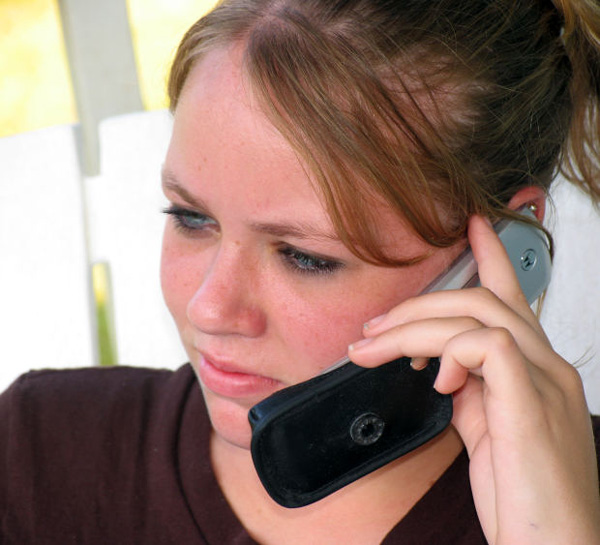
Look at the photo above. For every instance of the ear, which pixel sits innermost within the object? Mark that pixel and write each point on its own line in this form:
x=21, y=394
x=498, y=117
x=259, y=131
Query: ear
x=532, y=196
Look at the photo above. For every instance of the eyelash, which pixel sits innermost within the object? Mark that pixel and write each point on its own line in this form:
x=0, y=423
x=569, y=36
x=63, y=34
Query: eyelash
x=183, y=219
x=298, y=261
x=308, y=264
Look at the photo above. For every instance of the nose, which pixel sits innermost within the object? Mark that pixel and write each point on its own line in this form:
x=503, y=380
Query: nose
x=227, y=300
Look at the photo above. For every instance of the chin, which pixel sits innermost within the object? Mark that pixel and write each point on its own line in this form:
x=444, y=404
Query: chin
x=229, y=421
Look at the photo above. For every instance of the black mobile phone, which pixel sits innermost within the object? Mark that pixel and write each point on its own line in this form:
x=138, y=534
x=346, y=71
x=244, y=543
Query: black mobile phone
x=313, y=438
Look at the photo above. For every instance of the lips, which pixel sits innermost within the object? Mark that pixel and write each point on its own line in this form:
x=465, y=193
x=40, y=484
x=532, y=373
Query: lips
x=228, y=380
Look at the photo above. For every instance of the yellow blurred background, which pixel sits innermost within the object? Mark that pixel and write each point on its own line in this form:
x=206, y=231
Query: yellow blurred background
x=35, y=86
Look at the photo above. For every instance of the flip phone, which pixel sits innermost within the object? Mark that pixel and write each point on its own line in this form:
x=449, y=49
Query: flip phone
x=313, y=438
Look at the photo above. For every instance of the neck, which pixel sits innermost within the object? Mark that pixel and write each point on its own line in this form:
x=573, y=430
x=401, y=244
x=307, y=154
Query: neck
x=362, y=512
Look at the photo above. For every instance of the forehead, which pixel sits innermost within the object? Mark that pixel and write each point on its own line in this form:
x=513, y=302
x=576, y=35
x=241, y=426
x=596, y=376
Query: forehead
x=218, y=93
x=221, y=134
x=223, y=143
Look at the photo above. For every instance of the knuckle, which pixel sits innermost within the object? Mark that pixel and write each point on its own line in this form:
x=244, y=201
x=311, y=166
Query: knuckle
x=515, y=298
x=567, y=394
x=484, y=297
x=470, y=322
x=484, y=293
x=570, y=379
x=501, y=339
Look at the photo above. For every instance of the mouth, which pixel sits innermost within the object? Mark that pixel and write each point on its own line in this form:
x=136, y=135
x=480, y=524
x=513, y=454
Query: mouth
x=229, y=380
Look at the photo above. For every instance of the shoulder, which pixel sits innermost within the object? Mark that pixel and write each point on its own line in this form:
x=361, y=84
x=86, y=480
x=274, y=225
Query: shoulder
x=596, y=428
x=88, y=402
x=80, y=448
x=62, y=388
x=87, y=379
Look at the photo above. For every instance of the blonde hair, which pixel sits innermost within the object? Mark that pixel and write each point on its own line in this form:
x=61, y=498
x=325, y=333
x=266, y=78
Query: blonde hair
x=440, y=109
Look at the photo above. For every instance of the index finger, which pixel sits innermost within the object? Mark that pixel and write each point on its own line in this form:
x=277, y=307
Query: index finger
x=495, y=269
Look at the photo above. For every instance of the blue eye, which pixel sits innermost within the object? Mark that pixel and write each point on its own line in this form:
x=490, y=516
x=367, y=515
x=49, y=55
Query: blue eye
x=189, y=221
x=304, y=263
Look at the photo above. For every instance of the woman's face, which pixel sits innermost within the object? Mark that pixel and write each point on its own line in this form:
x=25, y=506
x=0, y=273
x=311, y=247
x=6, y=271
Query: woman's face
x=263, y=292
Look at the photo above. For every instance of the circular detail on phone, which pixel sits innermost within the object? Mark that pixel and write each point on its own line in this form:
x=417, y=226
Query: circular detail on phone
x=367, y=429
x=528, y=260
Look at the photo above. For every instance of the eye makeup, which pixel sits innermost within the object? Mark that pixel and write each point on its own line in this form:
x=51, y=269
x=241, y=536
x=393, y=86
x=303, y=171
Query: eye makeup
x=188, y=221
x=192, y=223
x=307, y=263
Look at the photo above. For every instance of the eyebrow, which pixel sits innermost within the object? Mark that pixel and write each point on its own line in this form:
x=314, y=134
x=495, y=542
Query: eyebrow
x=298, y=230
x=170, y=183
x=295, y=230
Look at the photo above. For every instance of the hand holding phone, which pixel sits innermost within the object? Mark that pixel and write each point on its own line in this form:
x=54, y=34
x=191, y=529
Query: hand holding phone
x=313, y=438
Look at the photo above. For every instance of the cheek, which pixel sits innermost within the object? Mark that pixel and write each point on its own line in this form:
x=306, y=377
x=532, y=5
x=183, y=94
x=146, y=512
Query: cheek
x=325, y=335
x=319, y=329
x=177, y=277
x=323, y=325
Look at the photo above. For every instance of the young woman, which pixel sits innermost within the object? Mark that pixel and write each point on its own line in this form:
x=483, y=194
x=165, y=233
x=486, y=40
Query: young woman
x=329, y=159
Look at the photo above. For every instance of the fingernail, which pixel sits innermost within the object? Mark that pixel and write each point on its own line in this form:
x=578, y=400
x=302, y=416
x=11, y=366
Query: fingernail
x=373, y=322
x=419, y=363
x=359, y=344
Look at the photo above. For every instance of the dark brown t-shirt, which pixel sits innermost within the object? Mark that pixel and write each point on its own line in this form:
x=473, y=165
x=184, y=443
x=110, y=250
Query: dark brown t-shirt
x=120, y=456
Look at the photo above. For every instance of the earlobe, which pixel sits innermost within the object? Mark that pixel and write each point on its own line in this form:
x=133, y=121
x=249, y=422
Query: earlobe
x=532, y=196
